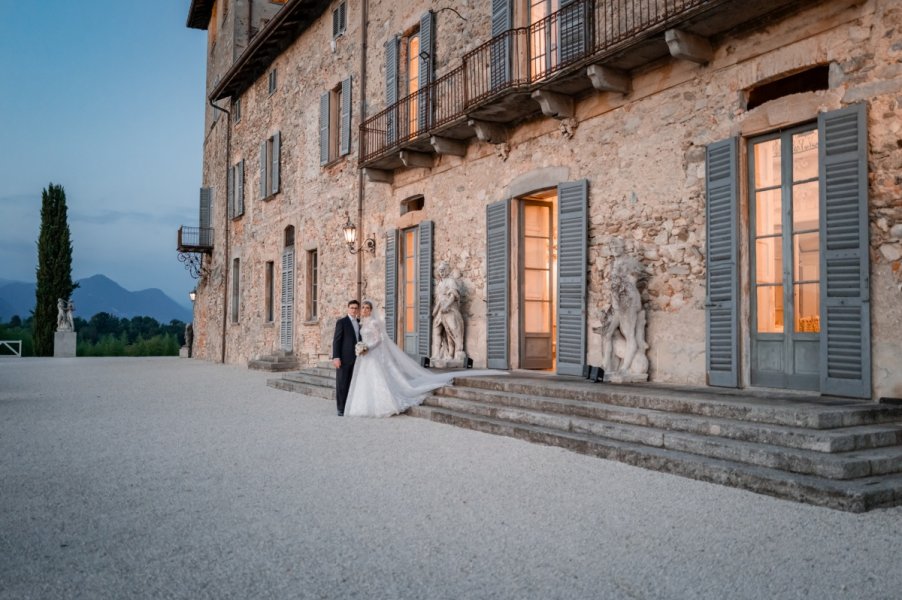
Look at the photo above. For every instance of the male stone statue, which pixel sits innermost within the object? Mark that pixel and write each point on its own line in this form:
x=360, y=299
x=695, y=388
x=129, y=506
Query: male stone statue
x=622, y=327
x=447, y=322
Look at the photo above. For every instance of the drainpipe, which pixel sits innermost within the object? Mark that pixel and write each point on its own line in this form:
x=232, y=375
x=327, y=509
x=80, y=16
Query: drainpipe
x=227, y=269
x=362, y=115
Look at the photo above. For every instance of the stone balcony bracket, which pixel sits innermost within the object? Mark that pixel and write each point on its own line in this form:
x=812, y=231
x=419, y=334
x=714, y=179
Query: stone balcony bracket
x=607, y=79
x=554, y=105
x=378, y=175
x=411, y=158
x=444, y=145
x=492, y=133
x=688, y=46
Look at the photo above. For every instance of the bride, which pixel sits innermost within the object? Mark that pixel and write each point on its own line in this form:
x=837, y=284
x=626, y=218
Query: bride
x=386, y=380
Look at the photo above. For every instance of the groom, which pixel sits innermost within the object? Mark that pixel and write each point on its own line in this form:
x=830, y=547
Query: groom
x=347, y=334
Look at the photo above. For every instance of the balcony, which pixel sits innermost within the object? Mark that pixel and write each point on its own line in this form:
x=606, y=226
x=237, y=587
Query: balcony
x=589, y=45
x=196, y=240
x=194, y=244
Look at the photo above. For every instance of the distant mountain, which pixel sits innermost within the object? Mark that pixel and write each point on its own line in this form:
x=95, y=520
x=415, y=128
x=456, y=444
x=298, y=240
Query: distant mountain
x=97, y=294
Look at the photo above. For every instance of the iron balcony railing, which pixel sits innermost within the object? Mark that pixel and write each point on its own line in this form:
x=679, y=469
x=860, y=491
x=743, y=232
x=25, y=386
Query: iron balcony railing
x=518, y=60
x=195, y=239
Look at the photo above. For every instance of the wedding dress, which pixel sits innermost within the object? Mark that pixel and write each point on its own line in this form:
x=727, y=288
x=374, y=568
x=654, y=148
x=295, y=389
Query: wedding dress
x=387, y=381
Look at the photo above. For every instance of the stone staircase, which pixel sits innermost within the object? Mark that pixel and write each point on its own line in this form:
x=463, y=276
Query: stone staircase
x=278, y=361
x=840, y=453
x=318, y=382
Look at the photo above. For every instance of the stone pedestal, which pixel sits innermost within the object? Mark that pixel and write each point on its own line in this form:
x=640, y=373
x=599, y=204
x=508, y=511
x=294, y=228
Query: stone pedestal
x=183, y=352
x=448, y=363
x=64, y=344
x=625, y=377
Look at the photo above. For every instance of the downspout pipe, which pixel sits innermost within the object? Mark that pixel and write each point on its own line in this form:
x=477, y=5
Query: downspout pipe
x=361, y=194
x=225, y=213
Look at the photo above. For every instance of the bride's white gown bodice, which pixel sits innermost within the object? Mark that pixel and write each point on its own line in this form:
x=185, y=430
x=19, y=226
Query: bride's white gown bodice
x=386, y=380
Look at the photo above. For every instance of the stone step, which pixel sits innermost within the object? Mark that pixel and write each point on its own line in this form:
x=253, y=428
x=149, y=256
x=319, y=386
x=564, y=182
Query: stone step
x=819, y=440
x=302, y=388
x=846, y=465
x=856, y=495
x=272, y=365
x=312, y=377
x=792, y=410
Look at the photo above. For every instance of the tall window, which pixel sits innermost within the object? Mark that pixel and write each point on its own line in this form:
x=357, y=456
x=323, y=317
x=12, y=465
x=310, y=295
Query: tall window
x=409, y=281
x=312, y=285
x=270, y=165
x=236, y=288
x=339, y=19
x=543, y=36
x=335, y=122
x=413, y=79
x=268, y=287
x=786, y=232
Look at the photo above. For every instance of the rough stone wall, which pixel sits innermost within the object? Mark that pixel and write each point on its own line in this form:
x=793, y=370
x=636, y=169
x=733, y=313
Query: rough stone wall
x=643, y=155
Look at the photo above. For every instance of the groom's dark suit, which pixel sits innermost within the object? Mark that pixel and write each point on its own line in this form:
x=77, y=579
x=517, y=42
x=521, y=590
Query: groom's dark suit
x=343, y=343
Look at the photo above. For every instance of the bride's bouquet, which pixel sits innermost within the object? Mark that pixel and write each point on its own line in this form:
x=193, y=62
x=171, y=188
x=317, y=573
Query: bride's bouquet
x=360, y=348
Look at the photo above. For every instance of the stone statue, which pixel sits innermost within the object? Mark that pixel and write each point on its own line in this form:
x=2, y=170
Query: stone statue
x=64, y=320
x=622, y=326
x=447, y=322
x=189, y=338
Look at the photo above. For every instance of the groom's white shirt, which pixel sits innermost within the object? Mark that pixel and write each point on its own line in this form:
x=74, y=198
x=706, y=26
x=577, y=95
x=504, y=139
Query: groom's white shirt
x=355, y=325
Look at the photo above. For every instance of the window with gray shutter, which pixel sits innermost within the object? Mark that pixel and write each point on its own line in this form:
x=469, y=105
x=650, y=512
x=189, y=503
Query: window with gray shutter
x=425, y=72
x=845, y=294
x=345, y=133
x=424, y=288
x=500, y=51
x=286, y=310
x=230, y=191
x=574, y=21
x=573, y=197
x=205, y=218
x=391, y=284
x=263, y=186
x=339, y=20
x=392, y=55
x=497, y=249
x=239, y=188
x=721, y=303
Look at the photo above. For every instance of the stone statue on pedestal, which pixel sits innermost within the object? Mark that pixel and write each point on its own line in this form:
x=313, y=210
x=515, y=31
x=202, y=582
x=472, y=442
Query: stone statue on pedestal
x=622, y=328
x=64, y=320
x=64, y=339
x=447, y=321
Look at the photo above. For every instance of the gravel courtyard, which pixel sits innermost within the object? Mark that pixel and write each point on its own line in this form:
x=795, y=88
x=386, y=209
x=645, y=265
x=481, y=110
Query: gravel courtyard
x=174, y=478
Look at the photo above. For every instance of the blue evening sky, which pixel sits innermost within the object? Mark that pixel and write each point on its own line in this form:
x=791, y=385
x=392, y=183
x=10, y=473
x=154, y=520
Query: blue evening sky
x=105, y=98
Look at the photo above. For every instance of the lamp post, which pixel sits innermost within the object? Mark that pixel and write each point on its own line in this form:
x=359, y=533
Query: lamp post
x=193, y=295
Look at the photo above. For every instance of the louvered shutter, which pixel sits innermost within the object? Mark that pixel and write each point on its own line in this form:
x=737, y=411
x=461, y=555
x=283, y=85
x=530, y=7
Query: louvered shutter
x=497, y=250
x=391, y=88
x=574, y=22
x=324, y=128
x=276, y=160
x=427, y=45
x=263, y=193
x=391, y=284
x=571, y=279
x=230, y=191
x=205, y=218
x=424, y=288
x=500, y=51
x=345, y=132
x=722, y=314
x=286, y=326
x=239, y=188
x=845, y=281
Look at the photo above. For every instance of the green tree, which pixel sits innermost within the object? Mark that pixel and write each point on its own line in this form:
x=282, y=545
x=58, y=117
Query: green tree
x=54, y=274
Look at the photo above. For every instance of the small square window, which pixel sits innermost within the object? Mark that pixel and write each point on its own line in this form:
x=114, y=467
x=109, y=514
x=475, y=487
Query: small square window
x=339, y=20
x=236, y=111
x=272, y=81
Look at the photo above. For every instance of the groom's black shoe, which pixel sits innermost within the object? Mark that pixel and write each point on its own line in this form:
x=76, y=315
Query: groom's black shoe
x=340, y=414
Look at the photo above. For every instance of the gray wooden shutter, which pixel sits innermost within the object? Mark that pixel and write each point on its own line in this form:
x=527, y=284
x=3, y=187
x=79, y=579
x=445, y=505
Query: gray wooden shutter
x=500, y=51
x=324, y=128
x=573, y=29
x=263, y=192
x=572, y=204
x=424, y=288
x=845, y=279
x=345, y=129
x=286, y=309
x=239, y=188
x=427, y=45
x=205, y=218
x=392, y=53
x=721, y=303
x=230, y=191
x=276, y=160
x=391, y=284
x=497, y=250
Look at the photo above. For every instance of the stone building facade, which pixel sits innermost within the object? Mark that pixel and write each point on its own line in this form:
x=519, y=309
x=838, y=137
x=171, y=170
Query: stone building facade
x=748, y=154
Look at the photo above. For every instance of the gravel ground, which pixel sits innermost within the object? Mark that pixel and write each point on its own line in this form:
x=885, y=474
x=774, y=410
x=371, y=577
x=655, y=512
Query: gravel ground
x=169, y=478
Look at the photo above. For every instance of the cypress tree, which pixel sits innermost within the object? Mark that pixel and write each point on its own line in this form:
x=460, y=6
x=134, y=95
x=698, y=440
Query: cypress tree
x=54, y=274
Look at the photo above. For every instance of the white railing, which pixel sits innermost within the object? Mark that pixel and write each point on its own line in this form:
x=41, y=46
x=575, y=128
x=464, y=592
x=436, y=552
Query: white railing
x=9, y=344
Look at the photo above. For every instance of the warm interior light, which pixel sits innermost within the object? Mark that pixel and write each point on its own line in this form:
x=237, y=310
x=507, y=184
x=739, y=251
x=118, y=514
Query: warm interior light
x=350, y=233
x=193, y=295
